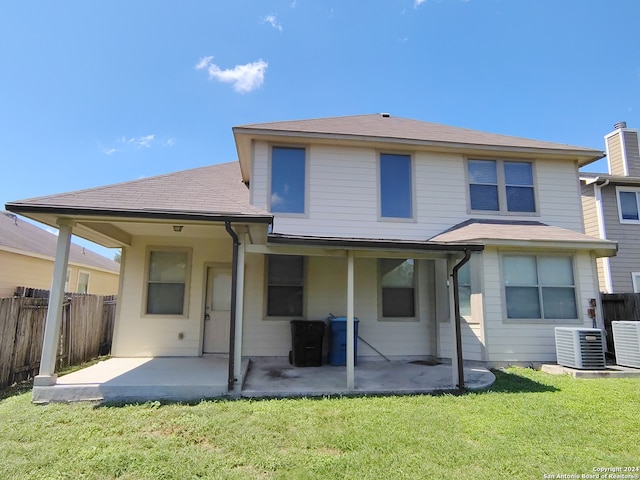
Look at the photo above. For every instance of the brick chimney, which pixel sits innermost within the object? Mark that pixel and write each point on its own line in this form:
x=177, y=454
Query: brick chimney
x=623, y=152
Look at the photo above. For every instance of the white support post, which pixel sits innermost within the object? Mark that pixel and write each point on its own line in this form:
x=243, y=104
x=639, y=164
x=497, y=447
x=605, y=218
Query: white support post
x=350, y=322
x=452, y=319
x=237, y=351
x=47, y=376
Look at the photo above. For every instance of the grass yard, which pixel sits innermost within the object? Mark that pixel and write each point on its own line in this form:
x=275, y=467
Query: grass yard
x=530, y=424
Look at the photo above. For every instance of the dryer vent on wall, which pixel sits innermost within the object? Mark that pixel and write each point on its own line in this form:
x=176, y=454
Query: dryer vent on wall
x=626, y=338
x=580, y=348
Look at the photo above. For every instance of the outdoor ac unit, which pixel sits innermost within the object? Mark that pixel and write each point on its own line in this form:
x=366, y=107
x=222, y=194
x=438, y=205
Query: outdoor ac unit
x=626, y=338
x=580, y=348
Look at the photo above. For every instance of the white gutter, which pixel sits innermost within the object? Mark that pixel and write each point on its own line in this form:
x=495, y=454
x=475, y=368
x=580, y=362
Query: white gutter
x=606, y=264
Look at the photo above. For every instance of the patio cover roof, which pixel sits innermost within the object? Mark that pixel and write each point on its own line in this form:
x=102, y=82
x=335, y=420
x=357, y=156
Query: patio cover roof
x=524, y=233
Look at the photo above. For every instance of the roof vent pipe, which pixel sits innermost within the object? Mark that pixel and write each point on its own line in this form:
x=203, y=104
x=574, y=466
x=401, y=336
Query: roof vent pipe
x=620, y=125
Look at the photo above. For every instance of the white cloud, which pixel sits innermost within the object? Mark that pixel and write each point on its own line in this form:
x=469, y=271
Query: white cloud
x=273, y=21
x=244, y=78
x=109, y=151
x=417, y=3
x=144, y=141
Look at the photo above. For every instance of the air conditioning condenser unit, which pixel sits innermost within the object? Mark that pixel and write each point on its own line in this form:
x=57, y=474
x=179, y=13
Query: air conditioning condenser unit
x=626, y=339
x=581, y=348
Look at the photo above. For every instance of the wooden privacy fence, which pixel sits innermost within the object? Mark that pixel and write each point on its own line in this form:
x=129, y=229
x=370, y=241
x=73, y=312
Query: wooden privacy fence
x=87, y=331
x=619, y=306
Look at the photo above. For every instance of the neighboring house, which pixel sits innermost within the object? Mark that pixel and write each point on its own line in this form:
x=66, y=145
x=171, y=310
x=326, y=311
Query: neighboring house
x=611, y=206
x=27, y=253
x=371, y=216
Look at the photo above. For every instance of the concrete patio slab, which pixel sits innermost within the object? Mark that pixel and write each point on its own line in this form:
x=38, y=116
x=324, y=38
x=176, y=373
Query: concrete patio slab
x=190, y=379
x=275, y=377
x=614, y=371
x=142, y=379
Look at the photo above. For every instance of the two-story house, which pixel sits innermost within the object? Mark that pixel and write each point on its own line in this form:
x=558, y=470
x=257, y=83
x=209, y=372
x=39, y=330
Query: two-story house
x=397, y=222
x=611, y=204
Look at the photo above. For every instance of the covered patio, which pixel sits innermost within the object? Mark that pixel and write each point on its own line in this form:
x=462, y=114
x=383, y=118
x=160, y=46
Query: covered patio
x=191, y=379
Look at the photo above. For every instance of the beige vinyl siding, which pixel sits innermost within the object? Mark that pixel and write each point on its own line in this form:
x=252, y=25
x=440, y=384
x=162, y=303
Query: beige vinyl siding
x=18, y=270
x=325, y=293
x=614, y=155
x=343, y=198
x=591, y=225
x=514, y=341
x=628, y=237
x=140, y=335
x=632, y=153
x=558, y=190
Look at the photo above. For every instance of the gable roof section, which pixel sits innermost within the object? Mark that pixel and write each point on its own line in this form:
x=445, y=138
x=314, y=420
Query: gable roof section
x=520, y=233
x=390, y=129
x=216, y=190
x=25, y=238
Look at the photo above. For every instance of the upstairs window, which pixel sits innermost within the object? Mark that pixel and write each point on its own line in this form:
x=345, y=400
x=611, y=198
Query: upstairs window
x=83, y=282
x=395, y=186
x=397, y=280
x=539, y=287
x=288, y=179
x=285, y=285
x=628, y=205
x=501, y=186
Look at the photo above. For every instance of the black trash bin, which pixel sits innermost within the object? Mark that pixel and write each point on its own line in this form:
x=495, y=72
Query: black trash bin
x=306, y=343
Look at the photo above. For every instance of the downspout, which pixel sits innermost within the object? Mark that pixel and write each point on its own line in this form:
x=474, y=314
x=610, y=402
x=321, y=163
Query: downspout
x=608, y=280
x=232, y=313
x=456, y=301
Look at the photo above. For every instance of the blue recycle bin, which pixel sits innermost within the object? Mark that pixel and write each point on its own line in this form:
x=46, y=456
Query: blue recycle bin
x=338, y=340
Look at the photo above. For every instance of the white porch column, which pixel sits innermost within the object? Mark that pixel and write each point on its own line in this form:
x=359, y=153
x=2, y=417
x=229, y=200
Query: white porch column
x=47, y=376
x=451, y=262
x=237, y=351
x=350, y=322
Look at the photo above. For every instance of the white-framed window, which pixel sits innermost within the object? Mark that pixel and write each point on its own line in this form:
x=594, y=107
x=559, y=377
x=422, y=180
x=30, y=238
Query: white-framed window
x=539, y=287
x=66, y=281
x=396, y=186
x=288, y=180
x=635, y=278
x=397, y=280
x=501, y=186
x=628, y=204
x=168, y=271
x=464, y=290
x=285, y=285
x=83, y=282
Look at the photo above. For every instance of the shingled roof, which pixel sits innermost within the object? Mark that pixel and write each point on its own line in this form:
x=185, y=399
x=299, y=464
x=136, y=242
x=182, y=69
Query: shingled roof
x=488, y=231
x=385, y=126
x=216, y=189
x=18, y=235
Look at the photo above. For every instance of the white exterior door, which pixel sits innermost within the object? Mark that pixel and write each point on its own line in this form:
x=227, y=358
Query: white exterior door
x=217, y=310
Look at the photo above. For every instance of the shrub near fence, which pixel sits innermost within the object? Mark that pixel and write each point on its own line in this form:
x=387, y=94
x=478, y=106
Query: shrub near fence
x=86, y=332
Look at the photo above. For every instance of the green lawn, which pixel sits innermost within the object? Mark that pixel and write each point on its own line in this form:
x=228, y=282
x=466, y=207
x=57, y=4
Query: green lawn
x=528, y=425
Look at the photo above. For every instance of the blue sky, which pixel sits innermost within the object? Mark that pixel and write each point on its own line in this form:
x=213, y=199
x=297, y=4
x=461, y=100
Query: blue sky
x=100, y=92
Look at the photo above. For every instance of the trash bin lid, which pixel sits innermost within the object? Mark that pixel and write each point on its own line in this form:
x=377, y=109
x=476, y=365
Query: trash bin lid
x=342, y=319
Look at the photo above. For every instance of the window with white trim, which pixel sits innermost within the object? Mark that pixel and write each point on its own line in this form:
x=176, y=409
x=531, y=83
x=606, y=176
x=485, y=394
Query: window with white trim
x=285, y=285
x=167, y=281
x=464, y=290
x=635, y=278
x=628, y=204
x=539, y=287
x=396, y=190
x=288, y=180
x=83, y=282
x=397, y=284
x=501, y=186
